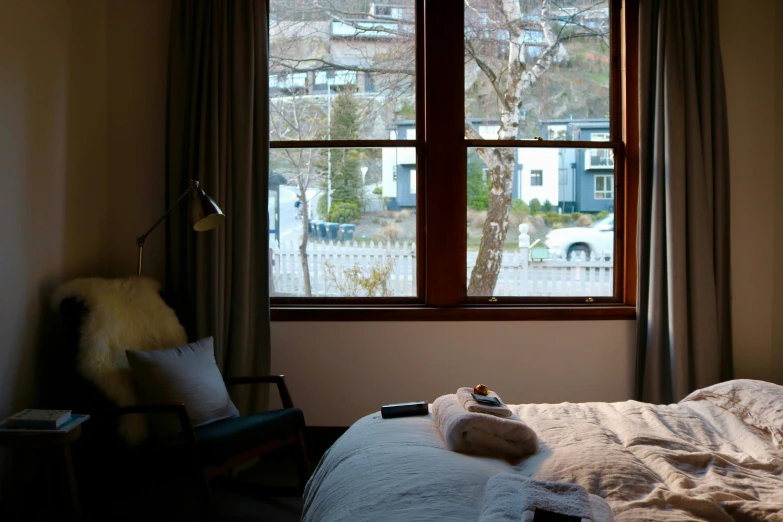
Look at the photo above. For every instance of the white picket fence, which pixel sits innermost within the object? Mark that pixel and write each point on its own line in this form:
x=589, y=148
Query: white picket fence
x=518, y=276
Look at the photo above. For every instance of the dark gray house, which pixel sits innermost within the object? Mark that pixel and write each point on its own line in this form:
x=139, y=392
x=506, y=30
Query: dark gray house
x=586, y=176
x=575, y=180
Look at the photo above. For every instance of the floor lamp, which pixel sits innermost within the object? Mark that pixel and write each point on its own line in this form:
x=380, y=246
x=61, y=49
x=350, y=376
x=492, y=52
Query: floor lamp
x=205, y=214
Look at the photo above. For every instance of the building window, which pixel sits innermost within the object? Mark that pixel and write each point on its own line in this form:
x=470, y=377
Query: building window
x=600, y=158
x=341, y=150
x=557, y=132
x=604, y=186
x=536, y=178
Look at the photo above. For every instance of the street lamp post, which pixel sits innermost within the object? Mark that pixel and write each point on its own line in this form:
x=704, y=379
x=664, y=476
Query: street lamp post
x=329, y=150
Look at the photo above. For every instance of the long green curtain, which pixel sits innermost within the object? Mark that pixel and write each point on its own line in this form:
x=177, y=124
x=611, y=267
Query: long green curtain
x=684, y=302
x=218, y=134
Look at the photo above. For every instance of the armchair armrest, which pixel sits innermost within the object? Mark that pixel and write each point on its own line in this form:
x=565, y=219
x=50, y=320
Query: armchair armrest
x=285, y=397
x=178, y=409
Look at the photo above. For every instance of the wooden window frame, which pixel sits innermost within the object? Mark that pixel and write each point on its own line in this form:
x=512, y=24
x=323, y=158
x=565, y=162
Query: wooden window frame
x=441, y=151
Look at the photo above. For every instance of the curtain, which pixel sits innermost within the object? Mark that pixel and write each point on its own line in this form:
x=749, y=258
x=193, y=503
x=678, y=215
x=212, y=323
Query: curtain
x=684, y=315
x=218, y=134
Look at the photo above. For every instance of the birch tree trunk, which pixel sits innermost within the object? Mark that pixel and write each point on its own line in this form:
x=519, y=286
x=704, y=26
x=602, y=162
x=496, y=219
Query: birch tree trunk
x=501, y=162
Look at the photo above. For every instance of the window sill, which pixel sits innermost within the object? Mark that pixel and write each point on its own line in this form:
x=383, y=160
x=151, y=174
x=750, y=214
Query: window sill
x=423, y=313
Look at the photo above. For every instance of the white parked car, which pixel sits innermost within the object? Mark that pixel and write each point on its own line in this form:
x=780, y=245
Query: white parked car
x=598, y=237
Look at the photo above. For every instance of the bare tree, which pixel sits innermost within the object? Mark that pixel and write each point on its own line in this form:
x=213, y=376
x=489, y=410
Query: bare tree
x=293, y=118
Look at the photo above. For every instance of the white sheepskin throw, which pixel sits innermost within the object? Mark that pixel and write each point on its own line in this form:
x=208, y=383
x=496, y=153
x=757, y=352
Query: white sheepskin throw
x=124, y=314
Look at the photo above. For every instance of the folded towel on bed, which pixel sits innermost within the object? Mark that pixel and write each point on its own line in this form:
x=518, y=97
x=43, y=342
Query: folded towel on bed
x=482, y=434
x=465, y=396
x=510, y=497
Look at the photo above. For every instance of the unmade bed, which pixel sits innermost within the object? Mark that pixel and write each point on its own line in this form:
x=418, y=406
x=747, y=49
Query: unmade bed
x=715, y=456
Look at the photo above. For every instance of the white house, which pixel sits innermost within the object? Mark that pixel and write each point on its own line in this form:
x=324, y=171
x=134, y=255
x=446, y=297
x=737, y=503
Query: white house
x=537, y=176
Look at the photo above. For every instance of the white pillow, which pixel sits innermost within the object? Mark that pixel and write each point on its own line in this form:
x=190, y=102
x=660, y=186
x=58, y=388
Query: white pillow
x=187, y=375
x=756, y=403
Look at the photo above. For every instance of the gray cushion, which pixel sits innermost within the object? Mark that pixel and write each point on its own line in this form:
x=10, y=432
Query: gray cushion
x=187, y=375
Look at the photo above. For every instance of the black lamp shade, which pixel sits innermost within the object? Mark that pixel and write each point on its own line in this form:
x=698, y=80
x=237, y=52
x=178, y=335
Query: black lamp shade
x=205, y=214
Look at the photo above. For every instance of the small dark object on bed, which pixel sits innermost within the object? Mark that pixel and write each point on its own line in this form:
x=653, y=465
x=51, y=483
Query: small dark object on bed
x=404, y=409
x=481, y=389
x=490, y=401
x=542, y=515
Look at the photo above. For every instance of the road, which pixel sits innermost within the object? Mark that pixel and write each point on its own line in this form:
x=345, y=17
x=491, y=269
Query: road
x=290, y=225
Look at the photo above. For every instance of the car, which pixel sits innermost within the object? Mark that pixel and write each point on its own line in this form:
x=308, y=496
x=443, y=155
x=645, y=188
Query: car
x=568, y=242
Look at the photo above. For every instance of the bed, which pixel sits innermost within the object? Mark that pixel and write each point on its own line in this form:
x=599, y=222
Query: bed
x=716, y=456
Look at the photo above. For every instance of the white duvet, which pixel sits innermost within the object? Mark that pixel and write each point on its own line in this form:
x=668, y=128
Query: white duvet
x=711, y=457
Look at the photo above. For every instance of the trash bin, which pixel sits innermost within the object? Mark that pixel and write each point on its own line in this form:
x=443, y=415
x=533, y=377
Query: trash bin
x=331, y=230
x=346, y=231
x=313, y=228
x=322, y=230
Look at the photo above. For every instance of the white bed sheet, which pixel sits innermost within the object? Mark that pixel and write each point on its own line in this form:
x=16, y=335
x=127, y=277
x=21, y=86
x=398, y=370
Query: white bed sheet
x=689, y=461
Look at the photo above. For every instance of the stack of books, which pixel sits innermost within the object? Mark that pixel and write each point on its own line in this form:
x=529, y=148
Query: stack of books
x=54, y=421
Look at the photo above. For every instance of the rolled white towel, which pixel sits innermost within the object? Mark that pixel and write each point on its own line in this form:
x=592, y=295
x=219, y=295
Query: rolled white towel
x=465, y=396
x=510, y=497
x=480, y=434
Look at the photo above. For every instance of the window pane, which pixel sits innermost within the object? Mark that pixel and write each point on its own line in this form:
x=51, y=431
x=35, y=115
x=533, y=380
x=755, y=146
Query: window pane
x=531, y=67
x=340, y=69
x=359, y=218
x=555, y=238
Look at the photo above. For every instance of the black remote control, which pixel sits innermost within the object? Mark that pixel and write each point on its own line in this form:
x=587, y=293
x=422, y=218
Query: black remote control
x=404, y=409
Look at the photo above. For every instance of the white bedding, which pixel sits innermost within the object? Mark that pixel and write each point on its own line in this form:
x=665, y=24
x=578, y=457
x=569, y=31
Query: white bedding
x=687, y=461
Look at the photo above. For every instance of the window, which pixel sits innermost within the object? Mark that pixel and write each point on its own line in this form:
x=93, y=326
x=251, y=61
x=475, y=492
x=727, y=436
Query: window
x=357, y=152
x=604, y=187
x=536, y=178
x=345, y=148
x=600, y=158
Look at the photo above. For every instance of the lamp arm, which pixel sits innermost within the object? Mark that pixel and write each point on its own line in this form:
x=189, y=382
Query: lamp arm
x=140, y=240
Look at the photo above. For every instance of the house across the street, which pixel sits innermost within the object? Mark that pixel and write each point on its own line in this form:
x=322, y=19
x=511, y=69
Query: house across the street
x=575, y=180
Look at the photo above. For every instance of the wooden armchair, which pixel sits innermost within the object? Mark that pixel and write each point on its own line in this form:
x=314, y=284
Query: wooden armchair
x=214, y=449
x=198, y=455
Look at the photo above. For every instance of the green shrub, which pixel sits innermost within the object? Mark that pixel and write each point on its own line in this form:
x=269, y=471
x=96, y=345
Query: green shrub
x=377, y=191
x=547, y=207
x=344, y=212
x=553, y=217
x=602, y=214
x=321, y=206
x=575, y=216
x=519, y=206
x=535, y=206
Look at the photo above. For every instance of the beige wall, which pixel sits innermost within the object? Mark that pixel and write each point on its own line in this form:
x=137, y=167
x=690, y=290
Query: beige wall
x=338, y=372
x=53, y=173
x=137, y=43
x=749, y=34
x=82, y=125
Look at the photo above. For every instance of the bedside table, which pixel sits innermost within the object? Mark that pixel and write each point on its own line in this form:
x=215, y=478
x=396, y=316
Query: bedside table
x=50, y=441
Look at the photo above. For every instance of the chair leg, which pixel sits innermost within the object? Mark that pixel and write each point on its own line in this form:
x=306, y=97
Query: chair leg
x=303, y=462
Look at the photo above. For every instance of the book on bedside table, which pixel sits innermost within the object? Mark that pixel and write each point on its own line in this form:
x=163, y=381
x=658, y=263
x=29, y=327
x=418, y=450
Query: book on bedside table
x=51, y=421
x=39, y=419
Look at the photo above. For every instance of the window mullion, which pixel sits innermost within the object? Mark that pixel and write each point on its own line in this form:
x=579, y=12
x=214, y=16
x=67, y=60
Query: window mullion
x=446, y=153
